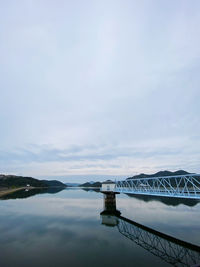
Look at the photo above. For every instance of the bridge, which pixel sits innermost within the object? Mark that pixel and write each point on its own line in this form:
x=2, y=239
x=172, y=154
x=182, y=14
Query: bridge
x=170, y=249
x=180, y=186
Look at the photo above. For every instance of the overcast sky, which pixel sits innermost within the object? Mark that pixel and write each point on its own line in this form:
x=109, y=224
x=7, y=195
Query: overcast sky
x=96, y=88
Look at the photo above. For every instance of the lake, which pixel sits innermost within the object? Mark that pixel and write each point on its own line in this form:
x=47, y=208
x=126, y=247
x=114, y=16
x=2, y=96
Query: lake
x=67, y=228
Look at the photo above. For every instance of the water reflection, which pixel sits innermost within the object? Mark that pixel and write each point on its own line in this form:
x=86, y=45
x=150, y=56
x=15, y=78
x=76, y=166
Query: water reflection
x=64, y=229
x=172, y=250
x=170, y=201
x=25, y=193
x=91, y=190
x=53, y=190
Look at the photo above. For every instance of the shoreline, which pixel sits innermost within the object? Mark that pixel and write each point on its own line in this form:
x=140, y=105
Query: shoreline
x=10, y=191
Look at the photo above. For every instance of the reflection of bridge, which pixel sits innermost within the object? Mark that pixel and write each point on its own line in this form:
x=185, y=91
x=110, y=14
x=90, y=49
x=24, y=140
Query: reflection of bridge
x=168, y=248
x=181, y=186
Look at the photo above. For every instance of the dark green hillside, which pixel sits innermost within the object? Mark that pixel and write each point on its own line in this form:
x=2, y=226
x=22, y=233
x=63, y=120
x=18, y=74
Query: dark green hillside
x=20, y=181
x=166, y=173
x=54, y=183
x=96, y=184
x=159, y=174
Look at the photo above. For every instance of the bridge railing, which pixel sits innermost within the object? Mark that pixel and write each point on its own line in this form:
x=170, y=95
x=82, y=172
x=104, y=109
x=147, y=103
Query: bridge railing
x=184, y=186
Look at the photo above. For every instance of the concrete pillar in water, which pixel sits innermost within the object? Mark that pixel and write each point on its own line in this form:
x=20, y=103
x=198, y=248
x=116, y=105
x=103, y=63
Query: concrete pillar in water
x=110, y=213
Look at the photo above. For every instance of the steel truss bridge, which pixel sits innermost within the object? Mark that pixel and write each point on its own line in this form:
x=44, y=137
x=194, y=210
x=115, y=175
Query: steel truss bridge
x=173, y=251
x=181, y=186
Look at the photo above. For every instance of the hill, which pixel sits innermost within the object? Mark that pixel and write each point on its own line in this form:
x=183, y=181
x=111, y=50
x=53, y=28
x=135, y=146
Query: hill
x=72, y=184
x=21, y=181
x=93, y=184
x=159, y=174
x=54, y=183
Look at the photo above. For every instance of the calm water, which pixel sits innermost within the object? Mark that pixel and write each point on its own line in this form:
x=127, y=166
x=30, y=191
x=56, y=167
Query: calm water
x=65, y=229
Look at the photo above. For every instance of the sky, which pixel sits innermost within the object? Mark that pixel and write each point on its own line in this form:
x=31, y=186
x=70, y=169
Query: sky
x=95, y=89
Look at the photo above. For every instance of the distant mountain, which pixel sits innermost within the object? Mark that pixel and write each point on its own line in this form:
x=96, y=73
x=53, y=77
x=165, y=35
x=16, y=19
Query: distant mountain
x=159, y=174
x=72, y=184
x=53, y=183
x=93, y=184
x=21, y=181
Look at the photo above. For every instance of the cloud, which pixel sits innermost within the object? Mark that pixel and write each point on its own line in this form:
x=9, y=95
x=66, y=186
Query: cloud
x=95, y=86
x=94, y=162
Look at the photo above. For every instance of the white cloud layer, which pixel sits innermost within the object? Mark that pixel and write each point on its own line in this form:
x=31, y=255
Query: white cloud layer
x=99, y=87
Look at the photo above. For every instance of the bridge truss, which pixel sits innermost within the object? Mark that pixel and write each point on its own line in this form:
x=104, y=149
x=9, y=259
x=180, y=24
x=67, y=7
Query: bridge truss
x=169, y=249
x=181, y=186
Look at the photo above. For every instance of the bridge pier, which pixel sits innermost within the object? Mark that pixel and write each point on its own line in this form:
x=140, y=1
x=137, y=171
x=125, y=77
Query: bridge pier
x=110, y=213
x=108, y=190
x=110, y=203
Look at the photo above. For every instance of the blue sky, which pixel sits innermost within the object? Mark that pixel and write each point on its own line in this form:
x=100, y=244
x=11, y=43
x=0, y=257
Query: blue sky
x=96, y=88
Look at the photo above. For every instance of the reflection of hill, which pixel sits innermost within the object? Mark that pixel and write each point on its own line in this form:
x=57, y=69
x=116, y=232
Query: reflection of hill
x=167, y=200
x=91, y=189
x=25, y=194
